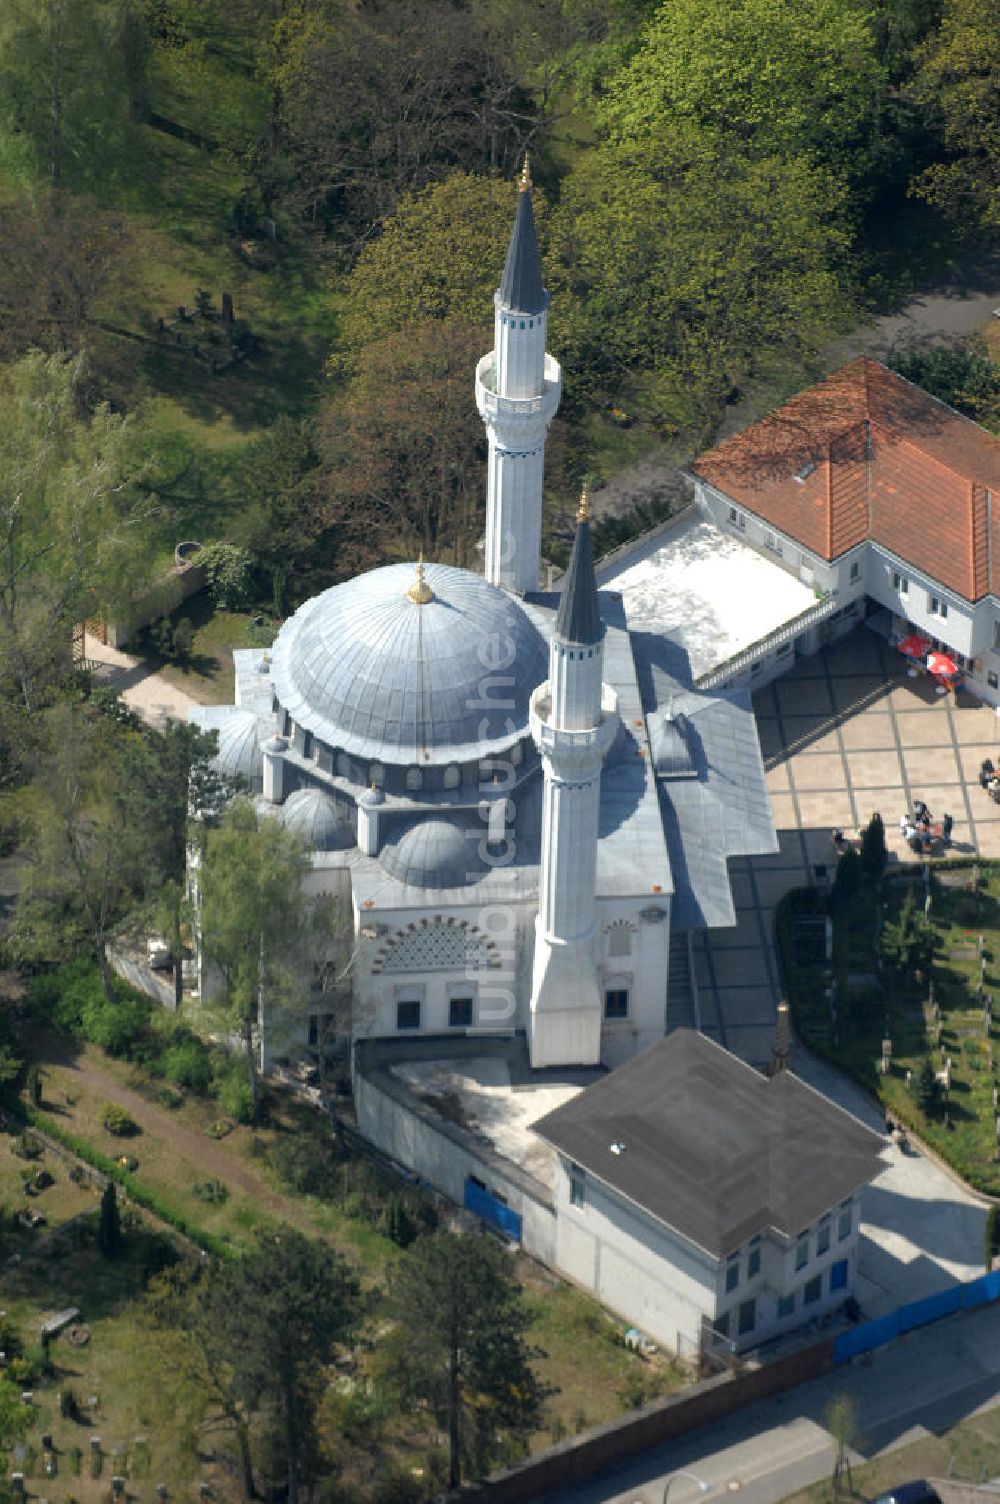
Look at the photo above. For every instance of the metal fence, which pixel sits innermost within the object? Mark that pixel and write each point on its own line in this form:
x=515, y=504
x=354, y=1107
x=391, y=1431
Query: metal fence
x=872, y=1334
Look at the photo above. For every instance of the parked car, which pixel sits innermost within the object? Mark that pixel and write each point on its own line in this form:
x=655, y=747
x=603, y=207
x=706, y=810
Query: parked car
x=917, y=1491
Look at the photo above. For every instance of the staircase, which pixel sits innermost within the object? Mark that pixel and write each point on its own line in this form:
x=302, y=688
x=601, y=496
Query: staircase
x=681, y=1012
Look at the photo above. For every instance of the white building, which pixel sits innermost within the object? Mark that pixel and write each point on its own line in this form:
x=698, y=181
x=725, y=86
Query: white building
x=506, y=788
x=710, y=1205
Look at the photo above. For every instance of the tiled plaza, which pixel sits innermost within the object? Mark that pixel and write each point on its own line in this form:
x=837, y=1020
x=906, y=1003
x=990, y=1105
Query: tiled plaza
x=845, y=733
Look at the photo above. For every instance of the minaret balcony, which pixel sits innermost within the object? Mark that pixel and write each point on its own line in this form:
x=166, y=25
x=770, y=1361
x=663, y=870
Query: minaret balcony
x=493, y=407
x=573, y=750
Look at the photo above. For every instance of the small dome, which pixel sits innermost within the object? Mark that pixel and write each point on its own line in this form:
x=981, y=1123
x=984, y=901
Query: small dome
x=239, y=754
x=321, y=821
x=384, y=671
x=435, y=854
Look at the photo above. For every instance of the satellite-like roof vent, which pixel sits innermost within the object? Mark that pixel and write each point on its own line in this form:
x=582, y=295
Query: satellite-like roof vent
x=807, y=469
x=617, y=1148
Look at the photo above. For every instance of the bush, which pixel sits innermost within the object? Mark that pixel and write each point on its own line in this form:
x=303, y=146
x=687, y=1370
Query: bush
x=232, y=1092
x=848, y=876
x=229, y=571
x=117, y=1121
x=214, y=1191
x=59, y=997
x=873, y=849
x=305, y=1163
x=187, y=1062
x=117, y=1027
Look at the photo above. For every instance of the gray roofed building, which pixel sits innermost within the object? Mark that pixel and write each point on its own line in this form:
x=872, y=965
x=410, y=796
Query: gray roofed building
x=706, y=1145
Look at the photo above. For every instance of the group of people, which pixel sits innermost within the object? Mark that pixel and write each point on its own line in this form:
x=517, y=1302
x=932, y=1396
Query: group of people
x=989, y=779
x=916, y=829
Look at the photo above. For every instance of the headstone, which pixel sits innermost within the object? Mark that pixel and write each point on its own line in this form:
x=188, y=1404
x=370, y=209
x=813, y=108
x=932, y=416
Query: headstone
x=47, y=1441
x=17, y=1484
x=270, y=228
x=180, y=312
x=227, y=308
x=27, y=1397
x=117, y=1486
x=161, y=1491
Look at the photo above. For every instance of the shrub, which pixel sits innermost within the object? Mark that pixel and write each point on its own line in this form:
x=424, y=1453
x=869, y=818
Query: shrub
x=232, y=1092
x=304, y=1161
x=116, y=1027
x=873, y=849
x=228, y=570
x=117, y=1121
x=926, y=1087
x=848, y=876
x=215, y=1191
x=187, y=1062
x=59, y=997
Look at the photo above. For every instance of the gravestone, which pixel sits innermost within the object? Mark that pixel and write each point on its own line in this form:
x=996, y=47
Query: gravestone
x=227, y=308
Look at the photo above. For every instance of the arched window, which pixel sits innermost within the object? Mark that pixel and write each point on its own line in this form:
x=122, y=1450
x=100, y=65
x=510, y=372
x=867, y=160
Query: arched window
x=619, y=938
x=452, y=776
x=414, y=778
x=343, y=765
x=376, y=775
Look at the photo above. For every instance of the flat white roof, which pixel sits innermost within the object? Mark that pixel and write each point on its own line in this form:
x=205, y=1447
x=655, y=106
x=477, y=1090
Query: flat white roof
x=703, y=589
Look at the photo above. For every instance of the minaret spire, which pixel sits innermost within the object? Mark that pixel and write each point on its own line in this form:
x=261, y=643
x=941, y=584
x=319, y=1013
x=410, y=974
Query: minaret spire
x=517, y=391
x=574, y=721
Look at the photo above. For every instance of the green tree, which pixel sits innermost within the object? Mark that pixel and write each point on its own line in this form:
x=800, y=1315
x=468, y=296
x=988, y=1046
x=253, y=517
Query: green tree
x=76, y=529
x=873, y=849
x=907, y=942
x=926, y=1087
x=847, y=879
x=957, y=83
x=229, y=571
x=87, y=843
x=460, y=1346
x=109, y=1226
x=764, y=77
x=63, y=90
x=438, y=257
x=284, y=510
x=685, y=259
x=965, y=377
x=252, y=915
x=403, y=448
x=260, y=1331
x=840, y=1418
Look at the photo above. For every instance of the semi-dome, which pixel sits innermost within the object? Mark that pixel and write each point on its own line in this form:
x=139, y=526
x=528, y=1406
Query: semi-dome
x=239, y=754
x=435, y=854
x=322, y=822
x=386, y=670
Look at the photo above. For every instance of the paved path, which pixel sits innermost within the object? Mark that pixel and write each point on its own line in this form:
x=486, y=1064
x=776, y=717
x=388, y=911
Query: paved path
x=145, y=691
x=925, y=1382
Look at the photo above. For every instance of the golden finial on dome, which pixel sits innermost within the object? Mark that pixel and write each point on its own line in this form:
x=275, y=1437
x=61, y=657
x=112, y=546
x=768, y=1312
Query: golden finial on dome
x=420, y=592
x=583, y=510
x=524, y=181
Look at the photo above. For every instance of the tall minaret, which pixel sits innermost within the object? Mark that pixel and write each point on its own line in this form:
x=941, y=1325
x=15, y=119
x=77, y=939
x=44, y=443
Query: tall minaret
x=517, y=391
x=574, y=720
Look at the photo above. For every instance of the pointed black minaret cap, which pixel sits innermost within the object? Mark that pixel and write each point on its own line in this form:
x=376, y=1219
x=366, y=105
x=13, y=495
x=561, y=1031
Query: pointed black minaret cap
x=521, y=283
x=579, y=618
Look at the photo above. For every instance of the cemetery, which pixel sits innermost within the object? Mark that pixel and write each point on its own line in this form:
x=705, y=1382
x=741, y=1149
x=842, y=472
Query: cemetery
x=897, y=981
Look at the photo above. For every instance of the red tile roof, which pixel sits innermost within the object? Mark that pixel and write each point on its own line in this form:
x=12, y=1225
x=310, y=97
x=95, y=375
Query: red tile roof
x=865, y=454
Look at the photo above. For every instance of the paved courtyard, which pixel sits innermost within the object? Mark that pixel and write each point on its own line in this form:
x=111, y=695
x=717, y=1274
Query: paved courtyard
x=845, y=733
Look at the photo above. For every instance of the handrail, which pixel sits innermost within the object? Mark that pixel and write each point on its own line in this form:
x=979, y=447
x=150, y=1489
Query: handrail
x=791, y=628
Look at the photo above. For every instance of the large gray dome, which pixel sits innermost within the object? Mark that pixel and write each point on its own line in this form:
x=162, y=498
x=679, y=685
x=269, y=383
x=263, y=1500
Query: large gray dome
x=319, y=819
x=366, y=668
x=435, y=853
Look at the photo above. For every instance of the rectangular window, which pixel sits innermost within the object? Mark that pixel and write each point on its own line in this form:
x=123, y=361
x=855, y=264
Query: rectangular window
x=900, y=583
x=996, y=635
x=823, y=1236
x=936, y=606
x=783, y=651
x=813, y=1291
x=786, y=1306
x=721, y=1324
x=737, y=519
x=616, y=1003
x=732, y=1272
x=753, y=1259
x=773, y=543
x=802, y=1252
x=855, y=571
x=577, y=1186
x=992, y=679
x=460, y=1013
x=748, y=1316
x=838, y=1275
x=844, y=1222
x=408, y=1014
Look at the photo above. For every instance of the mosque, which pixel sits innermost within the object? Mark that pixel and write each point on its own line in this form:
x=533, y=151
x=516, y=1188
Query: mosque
x=525, y=807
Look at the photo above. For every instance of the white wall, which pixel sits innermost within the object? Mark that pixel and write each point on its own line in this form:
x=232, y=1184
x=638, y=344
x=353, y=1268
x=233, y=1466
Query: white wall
x=645, y=971
x=443, y=1160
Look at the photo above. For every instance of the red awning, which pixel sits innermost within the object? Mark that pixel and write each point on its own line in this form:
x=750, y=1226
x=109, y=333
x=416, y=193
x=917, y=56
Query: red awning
x=914, y=646
x=941, y=666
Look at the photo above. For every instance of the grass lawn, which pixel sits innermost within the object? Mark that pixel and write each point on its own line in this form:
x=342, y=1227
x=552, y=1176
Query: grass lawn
x=865, y=998
x=593, y=1375
x=208, y=674
x=968, y=1452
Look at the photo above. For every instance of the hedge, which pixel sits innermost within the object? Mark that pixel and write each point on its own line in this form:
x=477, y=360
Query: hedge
x=140, y=1194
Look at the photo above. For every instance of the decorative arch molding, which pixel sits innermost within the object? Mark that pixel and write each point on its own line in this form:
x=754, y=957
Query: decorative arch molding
x=619, y=937
x=439, y=943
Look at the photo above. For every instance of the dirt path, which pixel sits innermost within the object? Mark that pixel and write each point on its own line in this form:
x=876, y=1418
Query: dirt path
x=145, y=691
x=209, y=1154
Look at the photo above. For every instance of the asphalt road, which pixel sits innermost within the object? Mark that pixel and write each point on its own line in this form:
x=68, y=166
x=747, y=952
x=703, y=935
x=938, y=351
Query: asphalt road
x=925, y=1382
